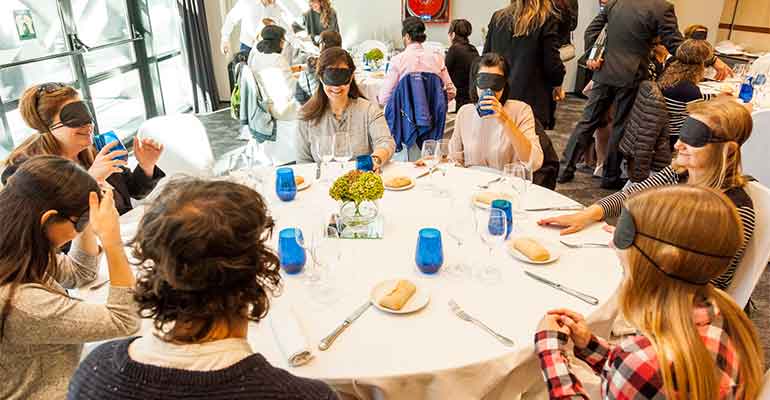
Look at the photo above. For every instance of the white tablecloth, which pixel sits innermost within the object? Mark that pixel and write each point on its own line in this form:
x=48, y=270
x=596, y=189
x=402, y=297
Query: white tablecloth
x=370, y=83
x=430, y=354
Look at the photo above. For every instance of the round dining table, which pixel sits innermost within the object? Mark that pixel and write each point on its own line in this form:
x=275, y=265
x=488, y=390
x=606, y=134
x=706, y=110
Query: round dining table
x=431, y=353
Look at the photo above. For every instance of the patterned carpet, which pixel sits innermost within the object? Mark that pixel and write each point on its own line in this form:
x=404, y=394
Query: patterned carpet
x=223, y=135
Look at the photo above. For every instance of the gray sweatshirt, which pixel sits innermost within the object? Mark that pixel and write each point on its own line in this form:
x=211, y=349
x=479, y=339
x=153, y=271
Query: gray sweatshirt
x=45, y=329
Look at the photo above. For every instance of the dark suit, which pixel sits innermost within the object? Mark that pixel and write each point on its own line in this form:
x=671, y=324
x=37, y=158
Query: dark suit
x=631, y=27
x=533, y=61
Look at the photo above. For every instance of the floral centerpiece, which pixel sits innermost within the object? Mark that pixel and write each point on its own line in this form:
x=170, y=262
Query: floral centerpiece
x=374, y=56
x=358, y=191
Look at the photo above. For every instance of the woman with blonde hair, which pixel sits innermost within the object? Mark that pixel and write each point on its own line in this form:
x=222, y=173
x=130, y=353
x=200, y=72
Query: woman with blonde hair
x=708, y=155
x=526, y=34
x=695, y=343
x=320, y=17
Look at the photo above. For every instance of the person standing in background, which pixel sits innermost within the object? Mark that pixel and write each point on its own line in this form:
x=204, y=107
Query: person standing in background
x=320, y=17
x=526, y=33
x=460, y=58
x=567, y=10
x=253, y=16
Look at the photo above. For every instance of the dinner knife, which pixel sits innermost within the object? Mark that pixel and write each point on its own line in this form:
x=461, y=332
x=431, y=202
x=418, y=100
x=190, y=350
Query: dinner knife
x=582, y=296
x=328, y=340
x=562, y=208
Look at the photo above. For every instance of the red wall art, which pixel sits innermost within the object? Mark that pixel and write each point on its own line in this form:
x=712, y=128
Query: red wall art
x=431, y=11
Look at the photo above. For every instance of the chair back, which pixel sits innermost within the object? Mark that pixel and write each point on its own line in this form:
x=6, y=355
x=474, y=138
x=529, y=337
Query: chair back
x=754, y=152
x=186, y=144
x=757, y=253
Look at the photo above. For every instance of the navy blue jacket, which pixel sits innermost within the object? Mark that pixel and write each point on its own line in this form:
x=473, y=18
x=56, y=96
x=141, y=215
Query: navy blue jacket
x=416, y=111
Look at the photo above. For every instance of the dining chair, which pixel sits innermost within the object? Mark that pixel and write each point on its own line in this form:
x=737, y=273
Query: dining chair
x=754, y=152
x=186, y=143
x=757, y=253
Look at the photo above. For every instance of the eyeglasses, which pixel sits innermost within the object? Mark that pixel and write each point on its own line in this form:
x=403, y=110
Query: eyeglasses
x=81, y=222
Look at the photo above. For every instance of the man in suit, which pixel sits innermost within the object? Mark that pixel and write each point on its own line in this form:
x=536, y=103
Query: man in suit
x=631, y=27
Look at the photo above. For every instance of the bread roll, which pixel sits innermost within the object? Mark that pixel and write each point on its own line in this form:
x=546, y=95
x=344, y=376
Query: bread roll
x=399, y=296
x=398, y=182
x=488, y=197
x=298, y=180
x=532, y=249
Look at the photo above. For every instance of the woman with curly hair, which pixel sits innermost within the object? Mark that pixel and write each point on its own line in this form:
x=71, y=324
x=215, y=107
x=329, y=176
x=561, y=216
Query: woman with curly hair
x=205, y=271
x=320, y=17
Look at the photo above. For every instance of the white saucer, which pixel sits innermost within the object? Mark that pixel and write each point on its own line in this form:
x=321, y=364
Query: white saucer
x=418, y=301
x=306, y=184
x=553, y=249
x=401, y=189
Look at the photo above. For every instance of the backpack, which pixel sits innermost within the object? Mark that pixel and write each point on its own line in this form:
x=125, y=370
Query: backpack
x=235, y=97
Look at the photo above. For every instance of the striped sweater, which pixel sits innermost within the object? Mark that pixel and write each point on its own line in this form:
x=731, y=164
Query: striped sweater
x=678, y=98
x=612, y=206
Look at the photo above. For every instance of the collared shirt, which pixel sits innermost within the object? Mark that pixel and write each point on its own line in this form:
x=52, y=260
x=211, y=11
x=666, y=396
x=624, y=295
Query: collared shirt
x=630, y=370
x=363, y=121
x=415, y=59
x=250, y=14
x=211, y=356
x=484, y=142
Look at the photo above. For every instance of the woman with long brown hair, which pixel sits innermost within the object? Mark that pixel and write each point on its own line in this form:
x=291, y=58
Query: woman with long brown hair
x=320, y=17
x=65, y=128
x=694, y=343
x=708, y=155
x=526, y=34
x=48, y=202
x=338, y=106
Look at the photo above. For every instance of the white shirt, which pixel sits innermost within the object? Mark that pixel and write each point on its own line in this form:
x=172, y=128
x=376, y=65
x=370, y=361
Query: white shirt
x=274, y=76
x=250, y=14
x=211, y=356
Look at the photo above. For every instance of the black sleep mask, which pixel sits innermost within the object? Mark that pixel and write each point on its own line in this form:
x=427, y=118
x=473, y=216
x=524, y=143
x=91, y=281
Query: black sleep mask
x=700, y=34
x=495, y=82
x=74, y=115
x=697, y=134
x=625, y=236
x=337, y=76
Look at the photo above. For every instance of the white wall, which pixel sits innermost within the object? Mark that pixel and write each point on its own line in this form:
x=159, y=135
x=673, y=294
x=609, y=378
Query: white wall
x=708, y=13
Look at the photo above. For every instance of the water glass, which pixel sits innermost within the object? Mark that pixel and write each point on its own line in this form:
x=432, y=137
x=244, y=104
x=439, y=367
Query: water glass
x=290, y=253
x=285, y=186
x=428, y=156
x=504, y=206
x=492, y=228
x=443, y=165
x=430, y=253
x=324, y=147
x=364, y=163
x=343, y=149
x=456, y=227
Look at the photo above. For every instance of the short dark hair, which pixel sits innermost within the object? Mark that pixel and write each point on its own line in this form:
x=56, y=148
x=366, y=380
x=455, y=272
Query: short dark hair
x=330, y=39
x=490, y=60
x=202, y=252
x=271, y=35
x=462, y=28
x=415, y=28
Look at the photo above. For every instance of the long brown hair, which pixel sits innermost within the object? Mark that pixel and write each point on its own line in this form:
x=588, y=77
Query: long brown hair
x=732, y=122
x=203, y=255
x=315, y=108
x=526, y=16
x=326, y=11
x=42, y=183
x=39, y=106
x=689, y=64
x=662, y=307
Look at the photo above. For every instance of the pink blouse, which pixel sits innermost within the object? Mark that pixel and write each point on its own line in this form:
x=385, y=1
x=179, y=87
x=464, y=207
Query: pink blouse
x=415, y=59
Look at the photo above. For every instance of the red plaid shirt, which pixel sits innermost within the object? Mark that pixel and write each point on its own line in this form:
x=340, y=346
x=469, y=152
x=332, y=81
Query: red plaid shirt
x=630, y=369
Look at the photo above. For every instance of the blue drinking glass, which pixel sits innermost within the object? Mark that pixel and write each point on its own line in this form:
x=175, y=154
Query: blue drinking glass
x=747, y=91
x=497, y=226
x=504, y=206
x=364, y=163
x=291, y=254
x=108, y=137
x=485, y=112
x=285, y=187
x=430, y=253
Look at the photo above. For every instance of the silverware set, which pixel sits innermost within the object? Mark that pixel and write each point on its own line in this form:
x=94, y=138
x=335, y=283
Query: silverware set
x=488, y=184
x=467, y=317
x=572, y=292
x=557, y=208
x=329, y=340
x=585, y=245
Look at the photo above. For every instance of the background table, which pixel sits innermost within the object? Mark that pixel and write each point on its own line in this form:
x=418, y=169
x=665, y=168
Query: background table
x=430, y=354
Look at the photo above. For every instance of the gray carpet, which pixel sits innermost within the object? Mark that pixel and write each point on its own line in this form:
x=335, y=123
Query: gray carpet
x=223, y=135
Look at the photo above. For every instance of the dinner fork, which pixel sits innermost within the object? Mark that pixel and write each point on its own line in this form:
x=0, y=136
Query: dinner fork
x=585, y=245
x=467, y=317
x=488, y=184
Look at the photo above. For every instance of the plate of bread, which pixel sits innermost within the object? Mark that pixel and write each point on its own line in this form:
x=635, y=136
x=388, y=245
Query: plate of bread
x=399, y=296
x=301, y=182
x=485, y=199
x=533, y=250
x=399, y=183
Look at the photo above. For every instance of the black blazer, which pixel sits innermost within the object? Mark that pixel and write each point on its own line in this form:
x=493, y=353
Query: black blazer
x=631, y=27
x=128, y=184
x=568, y=19
x=459, y=60
x=534, y=62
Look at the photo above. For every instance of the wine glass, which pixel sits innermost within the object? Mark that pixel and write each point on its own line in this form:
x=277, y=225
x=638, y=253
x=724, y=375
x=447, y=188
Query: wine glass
x=457, y=225
x=443, y=163
x=324, y=147
x=343, y=149
x=428, y=156
x=519, y=176
x=323, y=248
x=492, y=228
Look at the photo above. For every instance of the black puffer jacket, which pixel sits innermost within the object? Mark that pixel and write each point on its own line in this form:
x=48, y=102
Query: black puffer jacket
x=645, y=143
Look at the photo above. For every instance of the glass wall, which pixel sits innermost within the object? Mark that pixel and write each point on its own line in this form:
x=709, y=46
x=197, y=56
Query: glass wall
x=128, y=68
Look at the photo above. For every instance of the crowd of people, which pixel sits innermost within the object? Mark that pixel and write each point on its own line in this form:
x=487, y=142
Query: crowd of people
x=206, y=269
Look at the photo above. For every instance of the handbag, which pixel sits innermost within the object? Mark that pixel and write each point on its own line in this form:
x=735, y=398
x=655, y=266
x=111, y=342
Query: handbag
x=567, y=52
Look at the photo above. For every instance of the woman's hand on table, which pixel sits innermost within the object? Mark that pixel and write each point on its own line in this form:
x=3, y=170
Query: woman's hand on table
x=571, y=223
x=107, y=162
x=576, y=325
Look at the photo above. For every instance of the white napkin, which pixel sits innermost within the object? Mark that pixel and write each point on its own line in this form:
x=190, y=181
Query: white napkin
x=290, y=339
